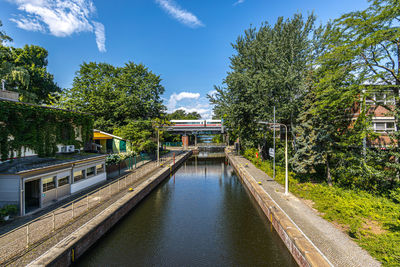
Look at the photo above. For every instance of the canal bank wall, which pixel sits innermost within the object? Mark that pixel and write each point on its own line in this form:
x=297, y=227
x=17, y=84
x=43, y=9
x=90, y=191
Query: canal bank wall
x=311, y=240
x=66, y=252
x=301, y=249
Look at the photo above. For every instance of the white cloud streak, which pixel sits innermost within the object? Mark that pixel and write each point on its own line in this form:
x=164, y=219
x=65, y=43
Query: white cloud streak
x=183, y=16
x=238, y=2
x=175, y=98
x=60, y=18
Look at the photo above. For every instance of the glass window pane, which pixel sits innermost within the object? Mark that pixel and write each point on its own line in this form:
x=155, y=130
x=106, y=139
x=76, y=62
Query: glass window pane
x=48, y=183
x=90, y=172
x=79, y=175
x=390, y=125
x=63, y=181
x=379, y=126
x=100, y=168
x=380, y=98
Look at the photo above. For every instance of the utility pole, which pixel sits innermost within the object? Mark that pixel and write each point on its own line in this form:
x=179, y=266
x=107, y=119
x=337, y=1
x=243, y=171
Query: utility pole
x=158, y=146
x=274, y=141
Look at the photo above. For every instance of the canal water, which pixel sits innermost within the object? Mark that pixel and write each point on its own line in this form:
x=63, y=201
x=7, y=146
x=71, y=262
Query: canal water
x=201, y=216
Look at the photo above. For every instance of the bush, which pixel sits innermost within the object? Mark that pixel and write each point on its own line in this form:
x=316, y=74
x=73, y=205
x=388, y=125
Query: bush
x=395, y=195
x=113, y=159
x=9, y=210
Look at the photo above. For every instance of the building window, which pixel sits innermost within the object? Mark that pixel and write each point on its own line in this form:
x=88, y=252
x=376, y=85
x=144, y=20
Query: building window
x=382, y=99
x=100, y=168
x=382, y=127
x=79, y=175
x=90, y=172
x=48, y=183
x=63, y=181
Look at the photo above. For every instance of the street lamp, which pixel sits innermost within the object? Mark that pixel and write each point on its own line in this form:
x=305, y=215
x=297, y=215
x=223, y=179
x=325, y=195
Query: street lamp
x=286, y=153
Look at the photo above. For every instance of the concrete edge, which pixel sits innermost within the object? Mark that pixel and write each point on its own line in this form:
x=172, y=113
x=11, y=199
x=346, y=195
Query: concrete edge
x=302, y=249
x=68, y=250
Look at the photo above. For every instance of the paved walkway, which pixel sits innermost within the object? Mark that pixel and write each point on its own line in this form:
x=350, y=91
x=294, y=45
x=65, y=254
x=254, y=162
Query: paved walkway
x=334, y=244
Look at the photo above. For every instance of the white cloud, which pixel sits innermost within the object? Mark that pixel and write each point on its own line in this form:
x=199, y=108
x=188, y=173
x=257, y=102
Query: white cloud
x=175, y=98
x=99, y=31
x=238, y=2
x=60, y=18
x=28, y=24
x=180, y=14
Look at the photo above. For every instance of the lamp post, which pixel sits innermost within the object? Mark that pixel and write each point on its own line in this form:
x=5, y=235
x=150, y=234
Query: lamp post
x=158, y=146
x=286, y=153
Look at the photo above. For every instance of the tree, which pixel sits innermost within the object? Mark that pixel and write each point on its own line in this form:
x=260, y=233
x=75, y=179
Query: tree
x=268, y=69
x=25, y=71
x=41, y=84
x=141, y=134
x=8, y=70
x=115, y=95
x=180, y=114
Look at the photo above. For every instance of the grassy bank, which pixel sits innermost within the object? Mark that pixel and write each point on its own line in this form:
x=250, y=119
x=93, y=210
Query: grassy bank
x=372, y=221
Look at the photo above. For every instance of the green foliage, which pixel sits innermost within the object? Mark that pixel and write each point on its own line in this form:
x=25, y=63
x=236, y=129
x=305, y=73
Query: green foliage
x=40, y=129
x=141, y=134
x=113, y=159
x=9, y=210
x=395, y=195
x=269, y=69
x=182, y=115
x=25, y=71
x=115, y=95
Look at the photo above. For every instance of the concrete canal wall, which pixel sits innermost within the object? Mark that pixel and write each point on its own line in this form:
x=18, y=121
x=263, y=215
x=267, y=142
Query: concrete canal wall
x=71, y=248
x=302, y=250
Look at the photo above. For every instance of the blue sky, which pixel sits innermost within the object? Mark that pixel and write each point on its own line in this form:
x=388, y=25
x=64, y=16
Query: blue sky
x=187, y=42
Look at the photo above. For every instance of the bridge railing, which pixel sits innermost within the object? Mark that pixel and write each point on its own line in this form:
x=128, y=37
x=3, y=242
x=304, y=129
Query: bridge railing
x=211, y=144
x=40, y=229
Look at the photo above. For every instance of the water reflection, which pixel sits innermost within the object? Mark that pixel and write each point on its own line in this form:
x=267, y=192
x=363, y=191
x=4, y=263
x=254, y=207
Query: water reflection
x=203, y=218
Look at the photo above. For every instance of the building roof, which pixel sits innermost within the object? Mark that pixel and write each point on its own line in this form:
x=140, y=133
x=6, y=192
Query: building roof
x=26, y=164
x=97, y=135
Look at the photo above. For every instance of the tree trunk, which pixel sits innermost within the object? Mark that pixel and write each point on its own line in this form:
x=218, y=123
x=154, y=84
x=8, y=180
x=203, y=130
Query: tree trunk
x=328, y=172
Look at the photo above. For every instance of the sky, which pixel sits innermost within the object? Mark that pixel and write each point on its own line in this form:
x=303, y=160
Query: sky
x=186, y=42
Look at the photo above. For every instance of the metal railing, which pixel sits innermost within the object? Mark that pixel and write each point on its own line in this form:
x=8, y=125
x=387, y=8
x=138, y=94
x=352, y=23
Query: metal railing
x=16, y=241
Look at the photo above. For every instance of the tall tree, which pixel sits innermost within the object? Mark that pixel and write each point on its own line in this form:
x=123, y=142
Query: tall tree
x=268, y=69
x=115, y=95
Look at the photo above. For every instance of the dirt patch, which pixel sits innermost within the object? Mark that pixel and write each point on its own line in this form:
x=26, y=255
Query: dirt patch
x=373, y=227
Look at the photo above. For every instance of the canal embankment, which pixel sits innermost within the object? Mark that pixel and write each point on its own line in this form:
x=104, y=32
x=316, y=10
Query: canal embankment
x=70, y=248
x=311, y=240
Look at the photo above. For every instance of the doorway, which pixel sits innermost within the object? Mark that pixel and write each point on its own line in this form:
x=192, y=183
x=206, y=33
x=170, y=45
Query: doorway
x=32, y=195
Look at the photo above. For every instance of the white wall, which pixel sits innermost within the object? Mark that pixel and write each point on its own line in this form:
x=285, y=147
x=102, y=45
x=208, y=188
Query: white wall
x=82, y=184
x=9, y=189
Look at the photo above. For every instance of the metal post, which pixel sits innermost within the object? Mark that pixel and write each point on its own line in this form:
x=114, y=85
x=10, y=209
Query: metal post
x=87, y=202
x=27, y=235
x=286, y=163
x=54, y=221
x=158, y=146
x=135, y=161
x=274, y=142
x=73, y=215
x=174, y=158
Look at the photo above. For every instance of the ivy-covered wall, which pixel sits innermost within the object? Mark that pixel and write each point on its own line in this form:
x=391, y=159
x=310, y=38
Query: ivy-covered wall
x=40, y=129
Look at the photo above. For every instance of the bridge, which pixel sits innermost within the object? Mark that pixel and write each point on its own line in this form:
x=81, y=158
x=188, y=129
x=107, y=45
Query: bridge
x=195, y=128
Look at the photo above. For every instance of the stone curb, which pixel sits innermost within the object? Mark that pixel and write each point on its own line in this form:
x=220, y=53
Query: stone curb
x=303, y=251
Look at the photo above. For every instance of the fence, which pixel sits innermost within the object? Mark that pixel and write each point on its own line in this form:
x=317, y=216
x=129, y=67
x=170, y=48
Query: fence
x=173, y=144
x=40, y=228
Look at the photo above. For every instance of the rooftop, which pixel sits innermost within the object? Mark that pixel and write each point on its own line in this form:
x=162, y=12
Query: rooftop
x=34, y=162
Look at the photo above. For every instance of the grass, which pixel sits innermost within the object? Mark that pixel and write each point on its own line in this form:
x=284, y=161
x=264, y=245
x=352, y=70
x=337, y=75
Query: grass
x=372, y=221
